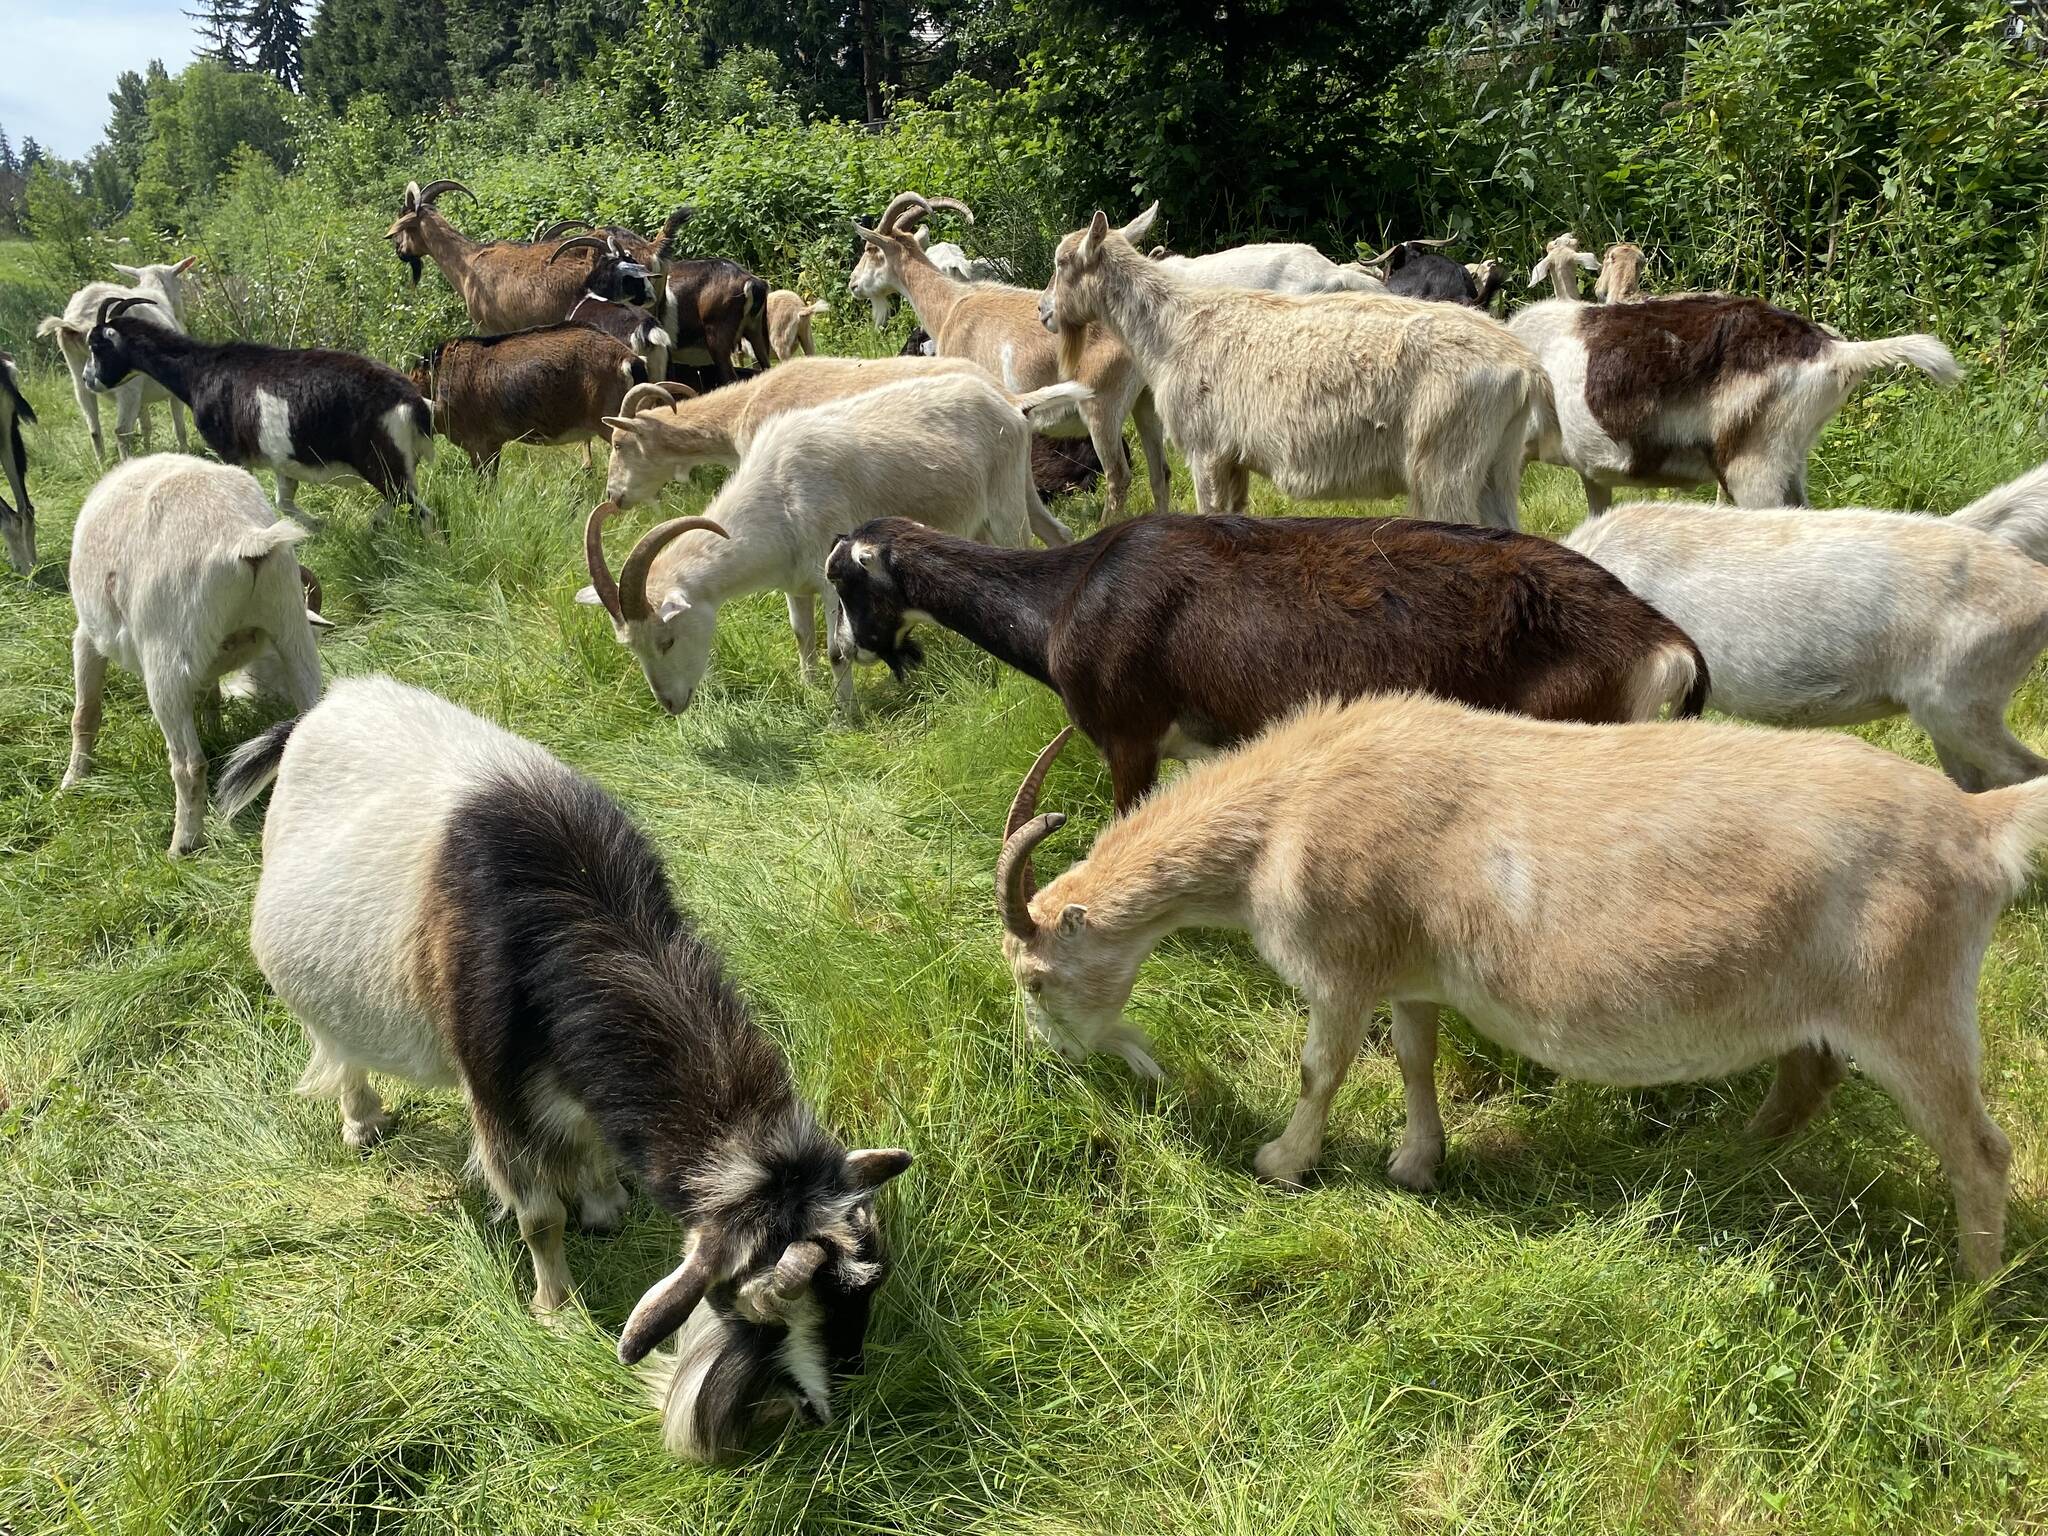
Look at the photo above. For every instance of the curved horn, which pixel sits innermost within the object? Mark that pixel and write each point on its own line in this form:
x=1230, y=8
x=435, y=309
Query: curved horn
x=966, y=213
x=799, y=1262
x=600, y=243
x=676, y=392
x=543, y=233
x=644, y=397
x=900, y=204
x=434, y=189
x=412, y=196
x=1016, y=884
x=593, y=556
x=111, y=308
x=633, y=602
x=1381, y=259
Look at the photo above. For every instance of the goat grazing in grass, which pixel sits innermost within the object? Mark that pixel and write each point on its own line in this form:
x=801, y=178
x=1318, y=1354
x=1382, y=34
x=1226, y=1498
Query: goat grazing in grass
x=1337, y=396
x=1183, y=636
x=1699, y=388
x=17, y=522
x=997, y=327
x=163, y=286
x=1839, y=617
x=304, y=415
x=556, y=384
x=484, y=916
x=1633, y=904
x=951, y=450
x=182, y=573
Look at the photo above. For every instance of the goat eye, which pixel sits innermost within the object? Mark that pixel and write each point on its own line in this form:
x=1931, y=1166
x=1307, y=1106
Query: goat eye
x=665, y=644
x=1034, y=986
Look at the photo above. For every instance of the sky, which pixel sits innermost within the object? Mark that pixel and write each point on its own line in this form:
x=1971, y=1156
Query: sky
x=63, y=56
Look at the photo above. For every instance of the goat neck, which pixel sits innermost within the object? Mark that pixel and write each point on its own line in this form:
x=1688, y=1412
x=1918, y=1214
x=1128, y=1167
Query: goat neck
x=1137, y=301
x=165, y=355
x=1001, y=599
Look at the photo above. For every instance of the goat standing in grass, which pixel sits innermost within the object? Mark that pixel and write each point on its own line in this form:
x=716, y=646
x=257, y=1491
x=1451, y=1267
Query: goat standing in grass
x=17, y=522
x=163, y=286
x=1633, y=904
x=1334, y=396
x=446, y=902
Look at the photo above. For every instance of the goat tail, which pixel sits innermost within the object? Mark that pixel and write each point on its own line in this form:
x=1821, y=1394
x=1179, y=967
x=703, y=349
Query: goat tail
x=51, y=325
x=1048, y=406
x=1853, y=359
x=257, y=543
x=2016, y=512
x=1674, y=677
x=2017, y=818
x=819, y=307
x=251, y=767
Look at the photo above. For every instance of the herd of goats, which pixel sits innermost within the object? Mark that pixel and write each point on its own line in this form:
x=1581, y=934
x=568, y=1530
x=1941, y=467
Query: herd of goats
x=1429, y=767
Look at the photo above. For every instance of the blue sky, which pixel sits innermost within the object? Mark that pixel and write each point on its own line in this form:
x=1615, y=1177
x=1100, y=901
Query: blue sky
x=62, y=57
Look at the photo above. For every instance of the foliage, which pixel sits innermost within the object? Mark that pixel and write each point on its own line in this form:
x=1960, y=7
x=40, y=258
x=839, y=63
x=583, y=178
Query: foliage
x=274, y=35
x=198, y=123
x=396, y=49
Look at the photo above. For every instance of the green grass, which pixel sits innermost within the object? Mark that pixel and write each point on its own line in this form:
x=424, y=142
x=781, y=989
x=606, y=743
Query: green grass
x=1617, y=1314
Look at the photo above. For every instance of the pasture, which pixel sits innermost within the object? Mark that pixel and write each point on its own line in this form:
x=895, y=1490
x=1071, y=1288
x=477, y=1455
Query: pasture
x=1617, y=1314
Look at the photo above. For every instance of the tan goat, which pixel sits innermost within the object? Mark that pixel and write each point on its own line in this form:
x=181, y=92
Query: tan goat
x=1632, y=904
x=997, y=326
x=789, y=325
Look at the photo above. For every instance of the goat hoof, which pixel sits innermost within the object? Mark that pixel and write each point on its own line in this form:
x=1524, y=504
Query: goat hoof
x=1414, y=1168
x=365, y=1134
x=1276, y=1166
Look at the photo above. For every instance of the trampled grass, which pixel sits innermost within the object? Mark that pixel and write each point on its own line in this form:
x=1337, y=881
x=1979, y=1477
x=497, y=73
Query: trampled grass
x=1617, y=1314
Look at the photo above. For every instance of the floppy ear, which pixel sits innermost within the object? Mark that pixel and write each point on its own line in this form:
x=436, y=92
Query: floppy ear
x=1141, y=226
x=873, y=1168
x=667, y=1305
x=1536, y=272
x=1588, y=260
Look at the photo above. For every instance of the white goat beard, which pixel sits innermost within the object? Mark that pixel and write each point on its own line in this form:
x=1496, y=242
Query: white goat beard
x=676, y=1381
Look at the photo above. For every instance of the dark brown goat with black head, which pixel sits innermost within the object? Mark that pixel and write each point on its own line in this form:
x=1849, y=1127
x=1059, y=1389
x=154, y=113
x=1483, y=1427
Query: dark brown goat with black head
x=1180, y=636
x=705, y=305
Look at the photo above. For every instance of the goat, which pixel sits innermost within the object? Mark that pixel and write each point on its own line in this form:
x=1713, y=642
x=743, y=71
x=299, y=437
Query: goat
x=992, y=324
x=1276, y=268
x=1699, y=388
x=485, y=916
x=1844, y=616
x=951, y=450
x=1340, y=395
x=1184, y=636
x=1061, y=466
x=628, y=323
x=1414, y=270
x=948, y=257
x=708, y=307
x=164, y=286
x=17, y=522
x=1633, y=904
x=1560, y=263
x=182, y=573
x=789, y=326
x=1621, y=275
x=304, y=415
x=1489, y=280
x=556, y=384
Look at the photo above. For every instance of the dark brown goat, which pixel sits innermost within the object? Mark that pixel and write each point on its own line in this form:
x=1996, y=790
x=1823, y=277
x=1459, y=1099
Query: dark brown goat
x=555, y=384
x=706, y=305
x=1178, y=636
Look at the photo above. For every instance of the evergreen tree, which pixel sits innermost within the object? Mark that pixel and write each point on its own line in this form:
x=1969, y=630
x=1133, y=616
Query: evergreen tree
x=128, y=125
x=31, y=154
x=219, y=25
x=7, y=160
x=274, y=32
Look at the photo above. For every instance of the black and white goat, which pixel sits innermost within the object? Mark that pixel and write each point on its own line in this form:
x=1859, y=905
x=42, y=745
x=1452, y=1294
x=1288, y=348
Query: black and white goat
x=1414, y=269
x=304, y=415
x=484, y=916
x=17, y=522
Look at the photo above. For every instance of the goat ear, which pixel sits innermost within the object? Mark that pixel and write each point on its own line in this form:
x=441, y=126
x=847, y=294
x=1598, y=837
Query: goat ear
x=1536, y=272
x=622, y=423
x=1091, y=239
x=588, y=598
x=1072, y=919
x=317, y=621
x=876, y=1166
x=134, y=274
x=1141, y=226
x=870, y=237
x=186, y=265
x=667, y=1304
x=672, y=605
x=1587, y=260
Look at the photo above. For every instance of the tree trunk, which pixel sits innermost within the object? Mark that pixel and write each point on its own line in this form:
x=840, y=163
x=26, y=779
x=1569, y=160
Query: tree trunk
x=871, y=58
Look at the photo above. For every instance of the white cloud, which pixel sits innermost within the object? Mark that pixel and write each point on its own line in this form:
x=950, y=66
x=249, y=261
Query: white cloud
x=62, y=57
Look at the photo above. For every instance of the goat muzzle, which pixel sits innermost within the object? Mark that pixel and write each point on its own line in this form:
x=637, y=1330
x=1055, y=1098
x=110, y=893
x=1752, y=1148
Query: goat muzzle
x=1016, y=882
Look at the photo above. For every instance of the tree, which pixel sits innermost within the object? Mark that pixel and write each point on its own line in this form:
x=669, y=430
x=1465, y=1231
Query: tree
x=197, y=124
x=31, y=154
x=128, y=125
x=396, y=48
x=274, y=33
x=219, y=25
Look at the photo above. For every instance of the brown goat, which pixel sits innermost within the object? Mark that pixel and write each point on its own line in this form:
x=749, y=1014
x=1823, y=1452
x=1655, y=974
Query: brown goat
x=555, y=384
x=707, y=305
x=1181, y=636
x=506, y=285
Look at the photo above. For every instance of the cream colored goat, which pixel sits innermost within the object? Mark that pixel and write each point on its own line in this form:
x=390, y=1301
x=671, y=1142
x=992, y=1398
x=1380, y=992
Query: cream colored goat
x=1621, y=275
x=1334, y=396
x=997, y=326
x=1632, y=904
x=789, y=326
x=1561, y=262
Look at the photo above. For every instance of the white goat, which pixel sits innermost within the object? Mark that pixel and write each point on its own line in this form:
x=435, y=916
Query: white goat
x=1560, y=263
x=1621, y=275
x=1699, y=388
x=1839, y=617
x=1343, y=395
x=952, y=451
x=181, y=571
x=164, y=287
x=1632, y=904
x=1276, y=268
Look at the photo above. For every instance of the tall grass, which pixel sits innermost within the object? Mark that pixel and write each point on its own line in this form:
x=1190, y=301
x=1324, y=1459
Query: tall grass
x=1616, y=1315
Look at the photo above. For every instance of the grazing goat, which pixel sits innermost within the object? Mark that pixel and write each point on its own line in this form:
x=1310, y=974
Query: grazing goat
x=994, y=325
x=182, y=573
x=1843, y=616
x=1621, y=275
x=164, y=287
x=304, y=415
x=707, y=306
x=1489, y=280
x=1415, y=270
x=1633, y=904
x=17, y=522
x=1341, y=395
x=484, y=916
x=950, y=450
x=557, y=384
x=1276, y=268
x=1699, y=388
x=1560, y=262
x=1183, y=636
x=506, y=285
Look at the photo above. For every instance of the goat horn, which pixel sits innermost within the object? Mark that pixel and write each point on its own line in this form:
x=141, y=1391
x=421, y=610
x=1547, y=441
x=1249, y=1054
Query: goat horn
x=644, y=396
x=545, y=232
x=966, y=213
x=593, y=556
x=1381, y=259
x=633, y=574
x=412, y=196
x=1016, y=883
x=113, y=308
x=581, y=243
x=434, y=189
x=793, y=1271
x=676, y=392
x=900, y=204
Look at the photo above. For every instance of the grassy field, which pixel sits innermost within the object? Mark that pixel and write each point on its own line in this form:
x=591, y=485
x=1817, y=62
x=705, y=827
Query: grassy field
x=1616, y=1315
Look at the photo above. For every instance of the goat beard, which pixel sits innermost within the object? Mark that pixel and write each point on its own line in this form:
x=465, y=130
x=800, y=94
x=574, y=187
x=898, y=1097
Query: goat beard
x=719, y=1390
x=905, y=656
x=413, y=265
x=1073, y=342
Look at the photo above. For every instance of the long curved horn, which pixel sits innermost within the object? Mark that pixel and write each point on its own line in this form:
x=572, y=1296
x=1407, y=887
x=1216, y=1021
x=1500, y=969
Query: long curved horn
x=633, y=601
x=593, y=556
x=581, y=243
x=900, y=204
x=112, y=308
x=543, y=233
x=412, y=196
x=676, y=392
x=643, y=397
x=799, y=1262
x=966, y=213
x=434, y=189
x=1016, y=883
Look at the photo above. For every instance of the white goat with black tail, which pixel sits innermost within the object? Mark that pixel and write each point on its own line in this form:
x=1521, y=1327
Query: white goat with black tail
x=1334, y=396
x=182, y=572
x=1838, y=617
x=485, y=917
x=17, y=522
x=952, y=451
x=163, y=286
x=303, y=414
x=1632, y=904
